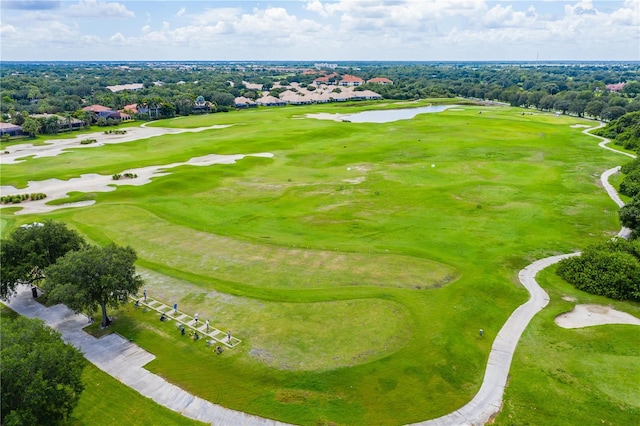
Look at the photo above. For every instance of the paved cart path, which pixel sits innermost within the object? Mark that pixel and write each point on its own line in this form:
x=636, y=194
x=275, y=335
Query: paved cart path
x=488, y=401
x=124, y=360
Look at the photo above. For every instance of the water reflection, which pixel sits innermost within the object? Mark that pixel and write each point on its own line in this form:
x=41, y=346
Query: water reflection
x=389, y=115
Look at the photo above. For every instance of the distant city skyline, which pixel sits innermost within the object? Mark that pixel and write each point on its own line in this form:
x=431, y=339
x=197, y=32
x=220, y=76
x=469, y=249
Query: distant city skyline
x=314, y=30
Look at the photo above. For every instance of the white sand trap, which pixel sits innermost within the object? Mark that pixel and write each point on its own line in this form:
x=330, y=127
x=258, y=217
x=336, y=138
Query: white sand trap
x=578, y=126
x=57, y=189
x=590, y=315
x=51, y=148
x=326, y=116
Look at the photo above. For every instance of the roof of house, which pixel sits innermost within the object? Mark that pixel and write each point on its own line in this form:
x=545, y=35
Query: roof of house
x=241, y=100
x=252, y=86
x=379, y=80
x=59, y=117
x=96, y=108
x=131, y=86
x=615, y=87
x=131, y=107
x=347, y=78
x=9, y=126
x=368, y=94
x=269, y=100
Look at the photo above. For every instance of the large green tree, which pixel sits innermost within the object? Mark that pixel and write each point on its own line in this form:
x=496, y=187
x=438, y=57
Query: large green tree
x=630, y=216
x=93, y=277
x=30, y=249
x=41, y=375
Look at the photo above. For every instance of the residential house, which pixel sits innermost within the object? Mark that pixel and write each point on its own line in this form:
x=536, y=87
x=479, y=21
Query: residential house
x=131, y=86
x=133, y=108
x=326, y=79
x=294, y=98
x=65, y=123
x=365, y=95
x=380, y=80
x=270, y=101
x=10, y=129
x=615, y=87
x=242, y=102
x=351, y=80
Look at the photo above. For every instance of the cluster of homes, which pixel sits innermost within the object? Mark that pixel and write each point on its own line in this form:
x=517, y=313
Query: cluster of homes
x=328, y=88
x=67, y=123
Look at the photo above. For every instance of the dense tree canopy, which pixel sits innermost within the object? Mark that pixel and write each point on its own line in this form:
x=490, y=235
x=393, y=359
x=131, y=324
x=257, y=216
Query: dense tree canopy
x=41, y=375
x=30, y=249
x=610, y=269
x=630, y=216
x=93, y=277
x=578, y=89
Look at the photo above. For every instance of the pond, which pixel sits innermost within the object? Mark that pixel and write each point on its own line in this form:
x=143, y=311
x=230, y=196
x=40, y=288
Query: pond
x=389, y=115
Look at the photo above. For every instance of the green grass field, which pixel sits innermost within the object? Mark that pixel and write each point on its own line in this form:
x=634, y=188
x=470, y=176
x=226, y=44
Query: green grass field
x=358, y=263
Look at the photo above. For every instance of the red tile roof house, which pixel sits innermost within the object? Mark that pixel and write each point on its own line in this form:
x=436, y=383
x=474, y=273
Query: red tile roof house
x=380, y=80
x=131, y=107
x=351, y=80
x=326, y=79
x=615, y=87
x=103, y=111
x=96, y=108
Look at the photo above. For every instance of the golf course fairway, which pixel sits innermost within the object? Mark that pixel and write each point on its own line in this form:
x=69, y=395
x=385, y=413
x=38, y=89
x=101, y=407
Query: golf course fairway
x=358, y=262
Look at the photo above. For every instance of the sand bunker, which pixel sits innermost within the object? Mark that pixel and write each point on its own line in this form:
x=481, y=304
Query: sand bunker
x=590, y=315
x=578, y=126
x=326, y=116
x=51, y=148
x=58, y=189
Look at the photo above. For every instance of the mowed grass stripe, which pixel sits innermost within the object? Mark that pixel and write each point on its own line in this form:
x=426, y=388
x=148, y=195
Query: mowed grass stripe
x=262, y=265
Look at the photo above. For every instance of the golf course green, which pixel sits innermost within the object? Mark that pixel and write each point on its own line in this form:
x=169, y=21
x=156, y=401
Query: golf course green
x=358, y=263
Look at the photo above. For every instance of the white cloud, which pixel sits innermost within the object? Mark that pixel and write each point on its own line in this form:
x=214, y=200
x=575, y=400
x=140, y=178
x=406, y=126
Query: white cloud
x=340, y=29
x=316, y=6
x=500, y=16
x=7, y=30
x=118, y=38
x=99, y=9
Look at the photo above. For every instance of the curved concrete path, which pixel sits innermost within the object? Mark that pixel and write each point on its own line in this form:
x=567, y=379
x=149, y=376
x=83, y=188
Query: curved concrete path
x=124, y=360
x=488, y=401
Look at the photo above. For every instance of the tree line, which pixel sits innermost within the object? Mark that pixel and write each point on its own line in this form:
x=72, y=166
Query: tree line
x=612, y=268
x=170, y=89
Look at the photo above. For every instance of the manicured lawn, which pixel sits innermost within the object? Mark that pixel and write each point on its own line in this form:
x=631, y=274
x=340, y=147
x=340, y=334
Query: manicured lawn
x=106, y=401
x=357, y=264
x=585, y=376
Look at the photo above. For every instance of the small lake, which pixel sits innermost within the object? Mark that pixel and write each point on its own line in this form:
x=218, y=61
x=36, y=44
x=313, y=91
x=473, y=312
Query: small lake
x=389, y=115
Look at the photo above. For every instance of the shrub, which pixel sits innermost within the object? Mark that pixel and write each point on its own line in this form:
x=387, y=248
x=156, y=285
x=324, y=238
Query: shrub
x=87, y=141
x=18, y=198
x=610, y=269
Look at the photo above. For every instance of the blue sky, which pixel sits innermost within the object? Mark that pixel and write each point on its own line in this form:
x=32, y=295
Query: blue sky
x=340, y=30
